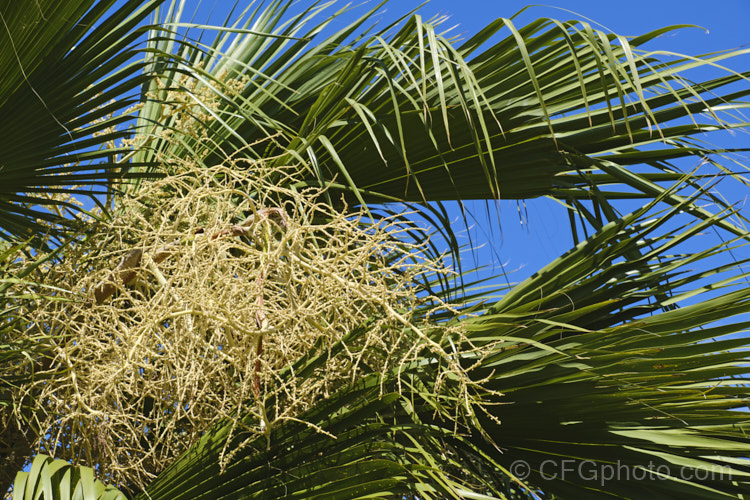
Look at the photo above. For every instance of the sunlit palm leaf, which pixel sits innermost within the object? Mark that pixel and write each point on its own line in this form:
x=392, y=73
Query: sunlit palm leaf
x=56, y=479
x=634, y=383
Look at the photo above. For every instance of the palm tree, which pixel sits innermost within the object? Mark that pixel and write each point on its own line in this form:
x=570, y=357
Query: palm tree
x=599, y=376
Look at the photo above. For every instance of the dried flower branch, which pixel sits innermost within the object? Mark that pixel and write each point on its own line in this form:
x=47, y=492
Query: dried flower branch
x=224, y=280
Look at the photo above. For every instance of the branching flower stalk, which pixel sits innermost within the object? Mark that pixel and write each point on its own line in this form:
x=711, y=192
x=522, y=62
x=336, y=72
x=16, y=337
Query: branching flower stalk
x=221, y=271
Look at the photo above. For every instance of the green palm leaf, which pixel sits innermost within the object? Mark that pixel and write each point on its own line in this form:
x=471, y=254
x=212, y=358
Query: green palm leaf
x=554, y=109
x=633, y=383
x=59, y=480
x=70, y=71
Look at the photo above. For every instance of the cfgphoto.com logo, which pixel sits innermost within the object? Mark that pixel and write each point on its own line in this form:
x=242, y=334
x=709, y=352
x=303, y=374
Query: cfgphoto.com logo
x=601, y=473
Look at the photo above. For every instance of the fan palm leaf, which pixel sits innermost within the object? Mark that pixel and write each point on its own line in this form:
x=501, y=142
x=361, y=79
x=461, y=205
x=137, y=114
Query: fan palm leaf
x=406, y=113
x=70, y=72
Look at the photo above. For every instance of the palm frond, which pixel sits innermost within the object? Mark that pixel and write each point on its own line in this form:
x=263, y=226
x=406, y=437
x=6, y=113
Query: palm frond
x=72, y=68
x=614, y=377
x=48, y=478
